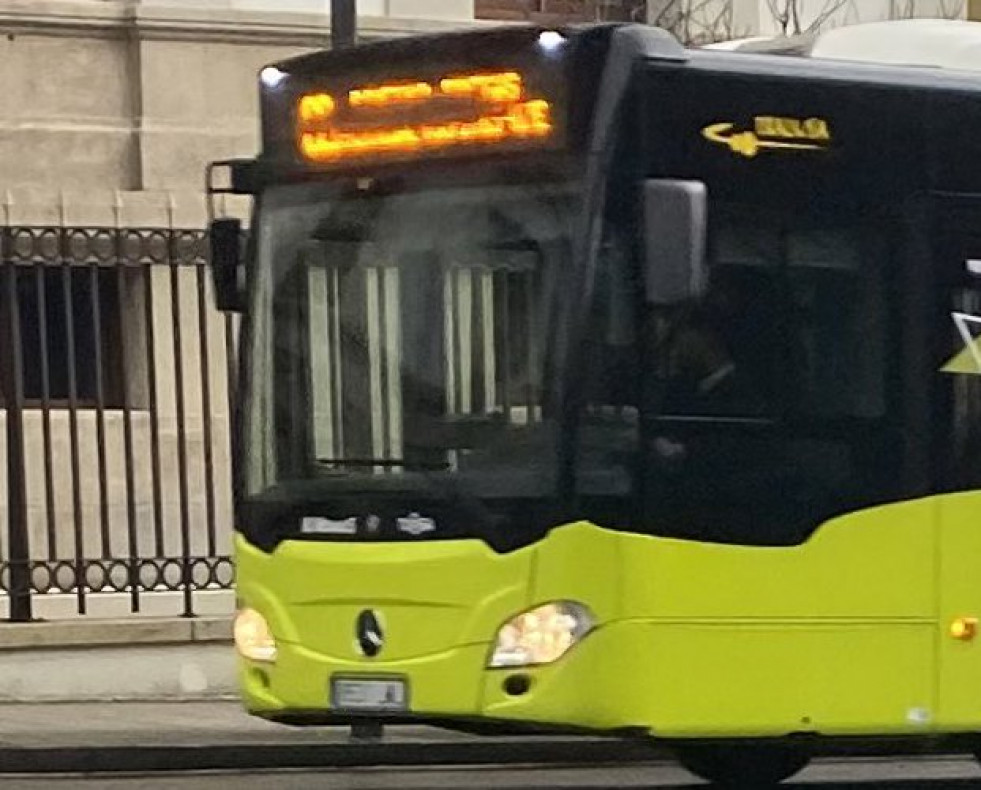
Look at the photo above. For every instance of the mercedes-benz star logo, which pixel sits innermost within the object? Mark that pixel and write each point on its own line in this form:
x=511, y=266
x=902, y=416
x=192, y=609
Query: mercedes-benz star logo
x=369, y=633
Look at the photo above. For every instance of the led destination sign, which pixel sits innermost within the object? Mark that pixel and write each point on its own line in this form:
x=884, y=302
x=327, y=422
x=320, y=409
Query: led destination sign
x=420, y=117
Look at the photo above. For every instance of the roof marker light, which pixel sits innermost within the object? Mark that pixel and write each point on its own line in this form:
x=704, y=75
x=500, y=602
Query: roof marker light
x=550, y=40
x=272, y=77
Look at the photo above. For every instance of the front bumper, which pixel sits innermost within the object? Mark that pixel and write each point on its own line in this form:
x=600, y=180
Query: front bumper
x=439, y=604
x=453, y=688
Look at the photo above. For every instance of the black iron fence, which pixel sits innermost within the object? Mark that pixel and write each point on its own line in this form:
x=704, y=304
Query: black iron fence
x=117, y=379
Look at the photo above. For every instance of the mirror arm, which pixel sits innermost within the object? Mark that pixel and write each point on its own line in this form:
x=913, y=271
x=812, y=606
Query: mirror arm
x=227, y=265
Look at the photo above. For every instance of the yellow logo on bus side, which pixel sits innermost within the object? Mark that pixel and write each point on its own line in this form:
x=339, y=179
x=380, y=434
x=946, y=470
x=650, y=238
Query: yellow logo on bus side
x=771, y=132
x=967, y=361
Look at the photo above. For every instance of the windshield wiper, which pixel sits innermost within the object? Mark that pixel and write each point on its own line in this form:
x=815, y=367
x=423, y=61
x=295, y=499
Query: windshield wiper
x=431, y=466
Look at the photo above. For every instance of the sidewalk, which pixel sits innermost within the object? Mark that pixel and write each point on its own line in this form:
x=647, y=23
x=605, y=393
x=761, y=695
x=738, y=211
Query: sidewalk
x=153, y=694
x=149, y=659
x=157, y=736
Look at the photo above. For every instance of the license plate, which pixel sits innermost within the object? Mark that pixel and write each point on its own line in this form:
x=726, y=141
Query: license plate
x=378, y=694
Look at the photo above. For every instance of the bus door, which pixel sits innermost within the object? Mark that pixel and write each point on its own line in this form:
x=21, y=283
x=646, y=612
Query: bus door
x=956, y=451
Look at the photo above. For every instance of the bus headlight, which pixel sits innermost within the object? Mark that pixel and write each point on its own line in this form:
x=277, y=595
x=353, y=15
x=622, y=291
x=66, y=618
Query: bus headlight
x=253, y=637
x=542, y=635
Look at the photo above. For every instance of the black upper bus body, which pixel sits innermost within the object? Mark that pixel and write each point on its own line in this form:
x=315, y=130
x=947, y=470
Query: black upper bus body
x=841, y=235
x=844, y=204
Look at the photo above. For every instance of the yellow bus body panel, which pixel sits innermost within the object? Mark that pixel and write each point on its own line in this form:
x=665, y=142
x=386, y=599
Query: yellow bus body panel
x=847, y=634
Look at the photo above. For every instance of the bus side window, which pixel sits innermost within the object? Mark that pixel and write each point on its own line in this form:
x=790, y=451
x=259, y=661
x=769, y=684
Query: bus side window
x=609, y=428
x=613, y=363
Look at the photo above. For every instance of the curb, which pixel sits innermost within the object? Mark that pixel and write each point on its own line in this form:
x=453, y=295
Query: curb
x=257, y=756
x=98, y=633
x=139, y=672
x=245, y=756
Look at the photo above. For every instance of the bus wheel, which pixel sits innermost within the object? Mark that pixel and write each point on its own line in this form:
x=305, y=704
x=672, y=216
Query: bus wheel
x=742, y=766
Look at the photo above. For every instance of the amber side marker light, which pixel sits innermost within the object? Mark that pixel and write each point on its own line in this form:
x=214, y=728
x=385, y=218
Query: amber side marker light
x=964, y=628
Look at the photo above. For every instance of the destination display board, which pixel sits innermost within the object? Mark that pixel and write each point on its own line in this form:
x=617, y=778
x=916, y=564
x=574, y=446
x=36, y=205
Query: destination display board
x=407, y=102
x=420, y=117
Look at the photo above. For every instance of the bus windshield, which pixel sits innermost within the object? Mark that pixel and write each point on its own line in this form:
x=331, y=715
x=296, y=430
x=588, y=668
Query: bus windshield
x=399, y=338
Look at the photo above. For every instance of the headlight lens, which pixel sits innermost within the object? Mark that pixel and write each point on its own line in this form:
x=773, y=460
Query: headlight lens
x=253, y=637
x=541, y=635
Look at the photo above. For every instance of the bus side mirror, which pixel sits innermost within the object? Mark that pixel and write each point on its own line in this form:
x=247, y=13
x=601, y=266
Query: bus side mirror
x=227, y=266
x=675, y=231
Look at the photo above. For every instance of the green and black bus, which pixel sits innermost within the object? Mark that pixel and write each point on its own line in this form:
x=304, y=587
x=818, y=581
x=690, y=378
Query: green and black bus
x=589, y=382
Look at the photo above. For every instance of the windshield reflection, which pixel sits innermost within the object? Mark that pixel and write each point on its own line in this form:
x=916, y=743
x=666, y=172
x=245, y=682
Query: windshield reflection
x=399, y=334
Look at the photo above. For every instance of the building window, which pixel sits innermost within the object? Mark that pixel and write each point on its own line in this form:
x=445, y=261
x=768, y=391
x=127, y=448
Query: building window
x=70, y=328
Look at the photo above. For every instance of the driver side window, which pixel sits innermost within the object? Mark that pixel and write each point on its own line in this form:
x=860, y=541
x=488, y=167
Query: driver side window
x=794, y=322
x=610, y=422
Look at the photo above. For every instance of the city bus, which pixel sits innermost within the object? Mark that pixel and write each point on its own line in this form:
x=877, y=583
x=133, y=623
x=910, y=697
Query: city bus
x=590, y=383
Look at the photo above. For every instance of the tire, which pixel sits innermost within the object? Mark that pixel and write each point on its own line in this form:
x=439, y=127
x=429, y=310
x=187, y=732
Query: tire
x=749, y=766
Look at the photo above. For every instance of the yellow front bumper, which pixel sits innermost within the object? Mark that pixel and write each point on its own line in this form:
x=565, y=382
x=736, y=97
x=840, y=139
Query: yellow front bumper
x=457, y=685
x=441, y=604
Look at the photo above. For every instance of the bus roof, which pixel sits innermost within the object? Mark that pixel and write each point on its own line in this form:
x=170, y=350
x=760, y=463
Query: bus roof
x=919, y=53
x=918, y=43
x=444, y=44
x=934, y=43
x=512, y=46
x=931, y=54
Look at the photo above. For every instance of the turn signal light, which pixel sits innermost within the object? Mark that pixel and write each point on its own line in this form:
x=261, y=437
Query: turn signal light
x=964, y=628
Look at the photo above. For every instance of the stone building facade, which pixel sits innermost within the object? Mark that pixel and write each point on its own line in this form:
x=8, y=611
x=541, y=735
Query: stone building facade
x=112, y=110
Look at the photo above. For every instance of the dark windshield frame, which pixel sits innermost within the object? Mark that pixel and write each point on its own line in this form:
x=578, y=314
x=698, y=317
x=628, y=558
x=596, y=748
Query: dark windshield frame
x=419, y=482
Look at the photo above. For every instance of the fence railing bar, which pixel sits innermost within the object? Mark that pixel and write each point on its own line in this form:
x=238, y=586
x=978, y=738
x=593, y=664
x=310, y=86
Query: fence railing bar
x=185, y=516
x=122, y=275
x=18, y=545
x=154, y=406
x=209, y=470
x=100, y=407
x=44, y=362
x=71, y=369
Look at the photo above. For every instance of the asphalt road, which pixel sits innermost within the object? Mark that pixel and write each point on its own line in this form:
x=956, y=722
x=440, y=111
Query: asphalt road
x=868, y=774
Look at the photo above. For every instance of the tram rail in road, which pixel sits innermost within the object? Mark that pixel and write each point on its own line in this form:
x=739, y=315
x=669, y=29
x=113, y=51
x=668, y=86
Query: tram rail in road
x=945, y=773
x=116, y=738
x=415, y=754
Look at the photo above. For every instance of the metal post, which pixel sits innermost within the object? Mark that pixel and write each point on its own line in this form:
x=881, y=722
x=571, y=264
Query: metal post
x=343, y=23
x=11, y=373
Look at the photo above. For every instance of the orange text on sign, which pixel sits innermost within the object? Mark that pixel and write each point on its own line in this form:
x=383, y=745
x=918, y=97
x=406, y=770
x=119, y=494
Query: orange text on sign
x=502, y=113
